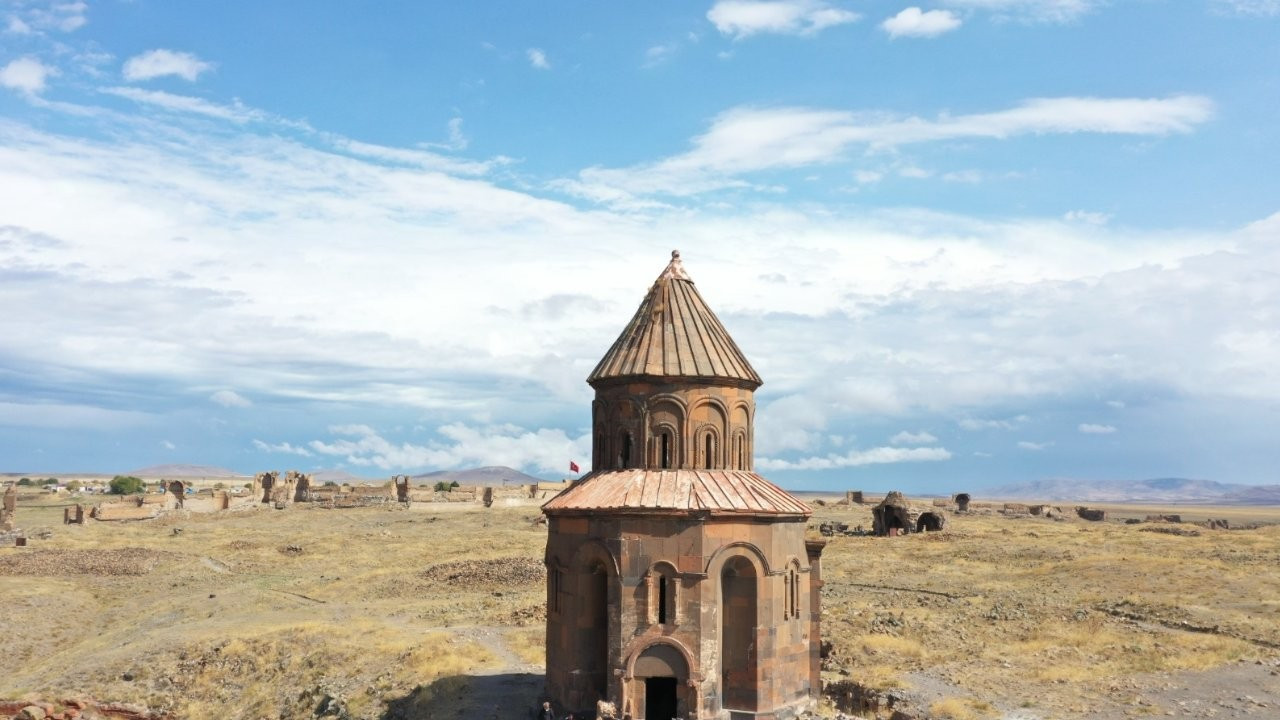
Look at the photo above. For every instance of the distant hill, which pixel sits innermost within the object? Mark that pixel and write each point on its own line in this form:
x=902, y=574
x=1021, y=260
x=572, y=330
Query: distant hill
x=491, y=475
x=177, y=471
x=1255, y=495
x=1153, y=490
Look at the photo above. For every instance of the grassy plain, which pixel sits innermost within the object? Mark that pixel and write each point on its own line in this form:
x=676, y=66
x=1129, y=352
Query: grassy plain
x=390, y=613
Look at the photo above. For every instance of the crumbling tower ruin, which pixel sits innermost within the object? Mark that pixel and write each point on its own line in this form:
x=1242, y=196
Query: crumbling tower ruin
x=679, y=581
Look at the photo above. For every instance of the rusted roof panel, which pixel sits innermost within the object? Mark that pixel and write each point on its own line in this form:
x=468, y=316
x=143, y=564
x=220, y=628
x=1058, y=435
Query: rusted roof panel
x=731, y=492
x=675, y=334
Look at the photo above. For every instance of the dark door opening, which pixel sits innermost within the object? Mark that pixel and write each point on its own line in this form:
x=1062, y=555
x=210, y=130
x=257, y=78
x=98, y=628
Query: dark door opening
x=659, y=698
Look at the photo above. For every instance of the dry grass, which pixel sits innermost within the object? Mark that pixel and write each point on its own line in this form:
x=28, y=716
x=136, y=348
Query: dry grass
x=1039, y=609
x=221, y=622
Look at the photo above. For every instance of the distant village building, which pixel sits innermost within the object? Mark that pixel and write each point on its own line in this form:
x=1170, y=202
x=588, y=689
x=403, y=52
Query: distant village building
x=679, y=582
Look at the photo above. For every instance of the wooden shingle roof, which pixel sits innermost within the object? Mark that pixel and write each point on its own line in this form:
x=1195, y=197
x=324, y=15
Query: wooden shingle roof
x=713, y=492
x=675, y=335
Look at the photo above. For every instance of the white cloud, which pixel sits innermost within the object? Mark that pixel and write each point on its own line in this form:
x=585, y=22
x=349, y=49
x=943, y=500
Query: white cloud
x=1258, y=8
x=1034, y=446
x=980, y=424
x=186, y=104
x=159, y=63
x=1049, y=11
x=910, y=438
x=912, y=22
x=658, y=54
x=1117, y=404
x=1087, y=217
x=168, y=445
x=282, y=447
x=538, y=59
x=744, y=18
x=746, y=139
x=26, y=74
x=857, y=458
x=229, y=398
x=1095, y=429
x=30, y=18
x=546, y=450
x=867, y=177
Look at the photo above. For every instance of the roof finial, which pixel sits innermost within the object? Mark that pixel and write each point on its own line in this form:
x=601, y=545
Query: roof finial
x=675, y=254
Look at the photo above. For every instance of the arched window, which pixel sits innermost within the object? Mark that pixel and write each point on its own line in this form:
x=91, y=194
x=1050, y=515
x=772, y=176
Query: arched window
x=624, y=452
x=664, y=450
x=663, y=588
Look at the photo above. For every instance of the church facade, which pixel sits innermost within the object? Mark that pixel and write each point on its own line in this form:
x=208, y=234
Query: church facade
x=680, y=582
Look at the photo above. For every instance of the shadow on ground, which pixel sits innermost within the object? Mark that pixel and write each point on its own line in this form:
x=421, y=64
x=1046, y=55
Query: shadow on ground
x=509, y=696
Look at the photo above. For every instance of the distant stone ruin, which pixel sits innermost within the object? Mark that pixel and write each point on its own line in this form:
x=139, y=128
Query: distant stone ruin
x=1217, y=524
x=1164, y=518
x=8, y=509
x=73, y=515
x=962, y=501
x=1091, y=514
x=401, y=483
x=893, y=516
x=932, y=521
x=301, y=484
x=178, y=490
x=853, y=497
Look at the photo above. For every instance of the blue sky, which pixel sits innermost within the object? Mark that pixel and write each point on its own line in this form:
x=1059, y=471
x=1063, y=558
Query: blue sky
x=966, y=242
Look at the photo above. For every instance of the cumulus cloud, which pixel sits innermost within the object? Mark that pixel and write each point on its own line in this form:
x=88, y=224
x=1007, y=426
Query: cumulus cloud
x=748, y=139
x=282, y=447
x=910, y=438
x=744, y=18
x=230, y=398
x=1096, y=429
x=857, y=458
x=159, y=63
x=26, y=74
x=538, y=59
x=912, y=22
x=460, y=445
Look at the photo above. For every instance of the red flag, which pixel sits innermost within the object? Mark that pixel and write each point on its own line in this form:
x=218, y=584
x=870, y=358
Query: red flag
x=573, y=466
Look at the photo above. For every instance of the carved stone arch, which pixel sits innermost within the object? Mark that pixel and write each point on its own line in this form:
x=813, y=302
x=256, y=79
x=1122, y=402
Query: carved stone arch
x=710, y=419
x=640, y=645
x=595, y=550
x=738, y=549
x=662, y=594
x=665, y=421
x=708, y=447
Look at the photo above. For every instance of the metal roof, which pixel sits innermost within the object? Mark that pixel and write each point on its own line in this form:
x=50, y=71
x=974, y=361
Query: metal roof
x=674, y=334
x=717, y=492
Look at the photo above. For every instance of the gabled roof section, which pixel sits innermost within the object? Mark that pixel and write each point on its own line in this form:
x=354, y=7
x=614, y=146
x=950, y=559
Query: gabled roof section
x=675, y=335
x=665, y=492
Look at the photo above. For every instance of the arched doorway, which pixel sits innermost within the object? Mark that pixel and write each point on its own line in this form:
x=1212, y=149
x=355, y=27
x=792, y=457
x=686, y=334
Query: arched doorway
x=738, y=590
x=663, y=671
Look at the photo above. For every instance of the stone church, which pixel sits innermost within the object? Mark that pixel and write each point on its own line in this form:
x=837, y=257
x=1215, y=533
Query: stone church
x=679, y=582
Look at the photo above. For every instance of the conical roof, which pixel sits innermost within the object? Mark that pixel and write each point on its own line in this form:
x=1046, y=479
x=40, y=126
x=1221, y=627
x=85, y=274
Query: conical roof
x=675, y=335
